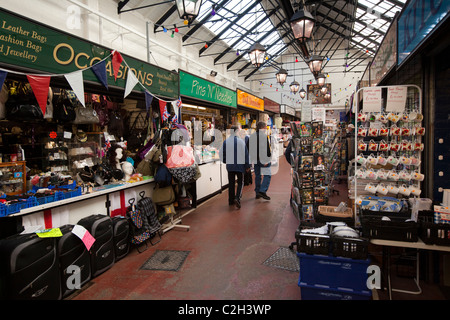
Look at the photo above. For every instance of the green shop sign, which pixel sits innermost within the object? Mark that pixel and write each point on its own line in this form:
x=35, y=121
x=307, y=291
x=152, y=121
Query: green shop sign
x=205, y=90
x=35, y=46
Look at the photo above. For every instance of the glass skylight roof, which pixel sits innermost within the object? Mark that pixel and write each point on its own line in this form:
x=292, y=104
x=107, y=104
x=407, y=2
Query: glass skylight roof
x=241, y=23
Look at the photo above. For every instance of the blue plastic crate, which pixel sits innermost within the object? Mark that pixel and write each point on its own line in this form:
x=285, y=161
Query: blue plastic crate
x=333, y=272
x=320, y=293
x=3, y=210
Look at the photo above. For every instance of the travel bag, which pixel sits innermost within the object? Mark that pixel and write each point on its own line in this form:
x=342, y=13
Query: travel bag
x=121, y=229
x=29, y=268
x=146, y=206
x=139, y=227
x=72, y=253
x=102, y=250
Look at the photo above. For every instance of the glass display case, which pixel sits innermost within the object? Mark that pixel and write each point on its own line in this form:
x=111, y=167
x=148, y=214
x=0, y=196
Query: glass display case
x=13, y=178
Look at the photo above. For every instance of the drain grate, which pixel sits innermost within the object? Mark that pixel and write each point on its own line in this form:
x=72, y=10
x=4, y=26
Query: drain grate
x=166, y=260
x=285, y=259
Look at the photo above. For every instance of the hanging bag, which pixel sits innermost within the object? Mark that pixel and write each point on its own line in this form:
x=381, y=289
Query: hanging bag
x=86, y=115
x=163, y=195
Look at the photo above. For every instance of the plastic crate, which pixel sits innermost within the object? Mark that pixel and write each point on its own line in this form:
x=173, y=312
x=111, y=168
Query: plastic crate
x=311, y=243
x=376, y=228
x=320, y=293
x=333, y=273
x=350, y=247
x=435, y=233
x=394, y=216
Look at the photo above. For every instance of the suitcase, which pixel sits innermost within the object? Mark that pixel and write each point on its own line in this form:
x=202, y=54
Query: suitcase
x=102, y=250
x=72, y=251
x=121, y=237
x=29, y=268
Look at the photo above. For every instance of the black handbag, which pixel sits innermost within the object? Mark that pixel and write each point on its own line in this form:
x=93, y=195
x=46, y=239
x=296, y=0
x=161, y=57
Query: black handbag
x=25, y=112
x=63, y=109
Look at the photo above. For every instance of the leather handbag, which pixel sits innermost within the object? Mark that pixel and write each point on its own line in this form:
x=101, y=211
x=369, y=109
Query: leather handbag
x=163, y=195
x=86, y=115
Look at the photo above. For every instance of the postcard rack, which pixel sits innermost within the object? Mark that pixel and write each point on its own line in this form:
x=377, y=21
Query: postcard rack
x=310, y=174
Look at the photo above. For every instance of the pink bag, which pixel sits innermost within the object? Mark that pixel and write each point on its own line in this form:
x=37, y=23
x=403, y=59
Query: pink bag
x=179, y=156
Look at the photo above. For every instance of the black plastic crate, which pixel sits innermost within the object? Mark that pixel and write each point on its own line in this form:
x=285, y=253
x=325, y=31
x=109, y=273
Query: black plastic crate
x=376, y=228
x=354, y=248
x=311, y=243
x=401, y=216
x=434, y=233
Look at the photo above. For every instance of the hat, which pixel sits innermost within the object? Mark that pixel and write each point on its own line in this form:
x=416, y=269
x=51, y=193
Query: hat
x=81, y=136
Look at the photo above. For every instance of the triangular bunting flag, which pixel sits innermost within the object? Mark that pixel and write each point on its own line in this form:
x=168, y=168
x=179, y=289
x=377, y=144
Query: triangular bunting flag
x=116, y=62
x=131, y=82
x=75, y=79
x=148, y=100
x=99, y=70
x=40, y=86
x=2, y=78
x=163, y=109
x=176, y=108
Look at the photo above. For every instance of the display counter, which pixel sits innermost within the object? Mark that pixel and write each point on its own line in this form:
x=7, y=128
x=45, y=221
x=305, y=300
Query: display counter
x=96, y=202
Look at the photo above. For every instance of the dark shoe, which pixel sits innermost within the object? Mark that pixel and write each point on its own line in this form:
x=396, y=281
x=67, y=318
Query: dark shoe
x=237, y=203
x=258, y=195
x=264, y=195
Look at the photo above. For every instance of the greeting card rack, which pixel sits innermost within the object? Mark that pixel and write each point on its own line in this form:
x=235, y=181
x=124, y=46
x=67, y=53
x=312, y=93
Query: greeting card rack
x=389, y=143
x=309, y=181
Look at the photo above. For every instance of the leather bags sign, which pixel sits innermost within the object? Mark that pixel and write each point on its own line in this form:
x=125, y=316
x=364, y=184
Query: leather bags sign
x=30, y=44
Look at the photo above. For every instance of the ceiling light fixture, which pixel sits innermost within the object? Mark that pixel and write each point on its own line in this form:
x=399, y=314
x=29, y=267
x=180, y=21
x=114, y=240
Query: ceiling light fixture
x=256, y=54
x=281, y=76
x=315, y=64
x=302, y=24
x=188, y=9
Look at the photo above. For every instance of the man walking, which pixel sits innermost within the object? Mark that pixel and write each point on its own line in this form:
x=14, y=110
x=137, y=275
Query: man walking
x=260, y=156
x=235, y=155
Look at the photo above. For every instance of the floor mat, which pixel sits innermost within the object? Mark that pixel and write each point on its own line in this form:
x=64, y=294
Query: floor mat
x=166, y=260
x=285, y=259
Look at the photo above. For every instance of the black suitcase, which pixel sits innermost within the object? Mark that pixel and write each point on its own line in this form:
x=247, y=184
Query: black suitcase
x=72, y=252
x=29, y=268
x=102, y=250
x=121, y=237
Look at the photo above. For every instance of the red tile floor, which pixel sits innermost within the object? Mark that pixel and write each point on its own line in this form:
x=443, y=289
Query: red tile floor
x=227, y=248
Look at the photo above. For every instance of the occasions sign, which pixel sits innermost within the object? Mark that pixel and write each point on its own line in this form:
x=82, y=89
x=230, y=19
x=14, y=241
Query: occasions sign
x=35, y=46
x=205, y=90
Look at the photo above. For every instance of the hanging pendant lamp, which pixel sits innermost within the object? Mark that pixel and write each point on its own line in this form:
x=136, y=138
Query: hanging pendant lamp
x=281, y=76
x=302, y=24
x=302, y=93
x=256, y=54
x=294, y=86
x=188, y=9
x=315, y=64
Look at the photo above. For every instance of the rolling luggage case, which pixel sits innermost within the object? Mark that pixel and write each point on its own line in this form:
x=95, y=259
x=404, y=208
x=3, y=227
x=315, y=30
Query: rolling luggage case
x=102, y=251
x=72, y=251
x=145, y=205
x=121, y=237
x=29, y=268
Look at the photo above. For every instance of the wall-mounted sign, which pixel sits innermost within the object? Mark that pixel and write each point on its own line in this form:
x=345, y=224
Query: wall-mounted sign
x=271, y=106
x=205, y=90
x=32, y=45
x=250, y=101
x=418, y=20
x=386, y=56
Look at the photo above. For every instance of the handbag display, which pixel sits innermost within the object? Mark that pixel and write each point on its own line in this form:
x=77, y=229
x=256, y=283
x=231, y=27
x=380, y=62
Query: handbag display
x=163, y=195
x=63, y=108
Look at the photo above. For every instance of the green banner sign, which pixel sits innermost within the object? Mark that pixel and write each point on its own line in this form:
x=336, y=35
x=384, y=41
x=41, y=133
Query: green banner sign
x=32, y=45
x=205, y=90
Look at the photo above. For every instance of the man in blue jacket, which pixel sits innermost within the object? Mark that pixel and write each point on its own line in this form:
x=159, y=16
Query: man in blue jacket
x=234, y=154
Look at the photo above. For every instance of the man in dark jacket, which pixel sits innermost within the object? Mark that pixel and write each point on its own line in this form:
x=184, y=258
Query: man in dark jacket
x=261, y=156
x=235, y=155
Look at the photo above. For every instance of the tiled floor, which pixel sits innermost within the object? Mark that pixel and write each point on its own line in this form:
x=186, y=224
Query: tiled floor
x=227, y=250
